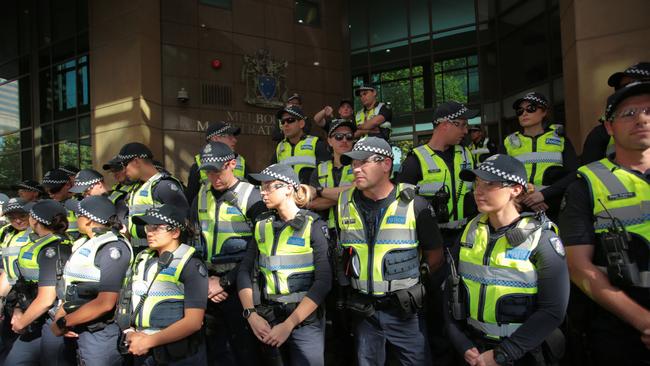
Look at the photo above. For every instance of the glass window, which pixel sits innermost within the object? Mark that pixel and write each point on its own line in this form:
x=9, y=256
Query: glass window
x=10, y=169
x=27, y=165
x=419, y=12
x=386, y=21
x=85, y=154
x=358, y=24
x=67, y=153
x=9, y=107
x=457, y=79
x=446, y=14
x=225, y=4
x=65, y=89
x=65, y=131
x=524, y=57
x=308, y=12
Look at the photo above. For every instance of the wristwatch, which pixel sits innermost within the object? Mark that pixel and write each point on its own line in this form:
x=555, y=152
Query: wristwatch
x=319, y=191
x=247, y=312
x=501, y=357
x=61, y=323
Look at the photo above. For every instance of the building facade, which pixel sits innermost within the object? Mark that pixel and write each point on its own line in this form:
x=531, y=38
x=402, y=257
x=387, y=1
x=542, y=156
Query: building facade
x=78, y=79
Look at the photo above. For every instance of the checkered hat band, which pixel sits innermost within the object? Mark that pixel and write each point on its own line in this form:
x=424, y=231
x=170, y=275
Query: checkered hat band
x=166, y=219
x=638, y=72
x=500, y=173
x=132, y=156
x=217, y=159
x=532, y=98
x=29, y=188
x=373, y=149
x=12, y=206
x=86, y=213
x=38, y=218
x=87, y=182
x=54, y=181
x=66, y=171
x=219, y=132
x=281, y=177
x=459, y=113
x=295, y=114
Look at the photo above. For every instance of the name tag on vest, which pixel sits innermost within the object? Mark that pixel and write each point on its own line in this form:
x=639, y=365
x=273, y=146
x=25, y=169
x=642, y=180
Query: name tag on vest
x=305, y=147
x=349, y=221
x=144, y=193
x=232, y=211
x=518, y=254
x=84, y=251
x=396, y=220
x=170, y=271
x=553, y=141
x=436, y=170
x=296, y=240
x=620, y=196
x=466, y=245
x=28, y=255
x=22, y=239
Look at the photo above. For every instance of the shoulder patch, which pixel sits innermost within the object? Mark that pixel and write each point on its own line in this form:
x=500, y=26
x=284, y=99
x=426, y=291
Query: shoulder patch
x=326, y=232
x=202, y=270
x=50, y=252
x=115, y=253
x=173, y=187
x=557, y=245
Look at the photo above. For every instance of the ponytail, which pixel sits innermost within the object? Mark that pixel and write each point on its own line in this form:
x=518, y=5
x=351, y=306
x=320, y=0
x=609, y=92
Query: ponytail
x=302, y=196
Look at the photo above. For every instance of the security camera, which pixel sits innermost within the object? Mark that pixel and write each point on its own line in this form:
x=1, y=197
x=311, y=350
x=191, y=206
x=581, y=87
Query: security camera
x=182, y=96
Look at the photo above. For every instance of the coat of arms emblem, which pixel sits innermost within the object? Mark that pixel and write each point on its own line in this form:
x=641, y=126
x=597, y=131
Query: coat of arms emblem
x=265, y=79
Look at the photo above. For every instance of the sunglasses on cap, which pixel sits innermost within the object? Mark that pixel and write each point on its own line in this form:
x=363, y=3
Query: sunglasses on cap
x=287, y=120
x=531, y=108
x=340, y=136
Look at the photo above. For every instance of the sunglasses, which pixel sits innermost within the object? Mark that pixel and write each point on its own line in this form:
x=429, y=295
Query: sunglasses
x=287, y=120
x=531, y=108
x=340, y=136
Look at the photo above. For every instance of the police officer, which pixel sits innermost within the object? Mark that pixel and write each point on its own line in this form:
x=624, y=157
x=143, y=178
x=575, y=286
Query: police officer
x=89, y=182
x=13, y=236
x=216, y=132
x=225, y=212
x=434, y=168
x=599, y=143
x=331, y=177
x=169, y=286
x=605, y=224
x=156, y=188
x=547, y=154
x=294, y=100
x=384, y=230
x=290, y=256
x=93, y=278
x=29, y=190
x=325, y=116
x=297, y=149
x=121, y=189
x=57, y=184
x=40, y=266
x=511, y=290
x=480, y=145
x=374, y=119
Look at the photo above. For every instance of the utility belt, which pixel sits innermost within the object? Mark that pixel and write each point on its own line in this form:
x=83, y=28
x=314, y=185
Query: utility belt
x=275, y=313
x=80, y=294
x=178, y=350
x=21, y=296
x=406, y=302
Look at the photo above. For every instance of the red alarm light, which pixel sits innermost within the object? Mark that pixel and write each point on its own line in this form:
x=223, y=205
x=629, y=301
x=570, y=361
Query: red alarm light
x=216, y=63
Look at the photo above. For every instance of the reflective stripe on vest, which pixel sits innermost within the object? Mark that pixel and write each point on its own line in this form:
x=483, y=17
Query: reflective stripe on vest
x=81, y=265
x=396, y=232
x=166, y=288
x=364, y=115
x=223, y=220
x=239, y=171
x=140, y=201
x=435, y=173
x=73, y=228
x=625, y=195
x=281, y=257
x=28, y=256
x=302, y=155
x=11, y=245
x=546, y=152
x=508, y=271
x=326, y=180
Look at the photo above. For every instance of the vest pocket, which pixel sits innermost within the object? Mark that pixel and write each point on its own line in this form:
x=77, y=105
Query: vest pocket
x=515, y=308
x=401, y=263
x=166, y=313
x=299, y=282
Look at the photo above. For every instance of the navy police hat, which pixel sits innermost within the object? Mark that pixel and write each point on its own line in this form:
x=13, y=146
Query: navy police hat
x=85, y=179
x=535, y=98
x=44, y=211
x=99, y=209
x=278, y=171
x=214, y=155
x=166, y=214
x=293, y=111
x=639, y=71
x=133, y=150
x=367, y=147
x=29, y=185
x=623, y=93
x=451, y=110
x=498, y=168
x=221, y=128
x=55, y=178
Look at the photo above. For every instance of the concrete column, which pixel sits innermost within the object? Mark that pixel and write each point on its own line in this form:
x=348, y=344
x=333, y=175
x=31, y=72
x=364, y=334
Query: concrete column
x=125, y=77
x=599, y=37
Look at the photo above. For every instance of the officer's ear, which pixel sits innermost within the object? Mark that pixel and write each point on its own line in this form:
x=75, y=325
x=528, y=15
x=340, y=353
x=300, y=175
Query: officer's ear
x=608, y=127
x=232, y=164
x=302, y=123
